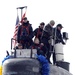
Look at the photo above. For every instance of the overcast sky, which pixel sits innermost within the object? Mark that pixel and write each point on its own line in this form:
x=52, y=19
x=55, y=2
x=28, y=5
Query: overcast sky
x=62, y=11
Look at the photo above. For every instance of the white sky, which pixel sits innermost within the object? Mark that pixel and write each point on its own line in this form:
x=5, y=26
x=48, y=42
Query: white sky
x=62, y=11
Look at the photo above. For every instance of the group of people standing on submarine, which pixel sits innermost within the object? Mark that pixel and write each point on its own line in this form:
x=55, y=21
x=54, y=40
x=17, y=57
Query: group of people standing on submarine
x=43, y=36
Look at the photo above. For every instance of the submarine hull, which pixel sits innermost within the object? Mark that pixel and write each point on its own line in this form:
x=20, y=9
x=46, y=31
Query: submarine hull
x=23, y=66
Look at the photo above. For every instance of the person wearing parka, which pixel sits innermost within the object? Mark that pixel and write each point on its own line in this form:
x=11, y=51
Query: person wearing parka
x=46, y=38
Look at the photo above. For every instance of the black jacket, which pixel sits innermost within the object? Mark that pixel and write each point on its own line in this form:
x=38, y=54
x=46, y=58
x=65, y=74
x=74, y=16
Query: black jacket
x=29, y=30
x=58, y=36
x=47, y=34
x=38, y=33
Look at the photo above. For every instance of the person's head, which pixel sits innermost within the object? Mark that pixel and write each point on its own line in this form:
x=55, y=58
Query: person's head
x=42, y=24
x=52, y=23
x=20, y=46
x=25, y=20
x=59, y=26
x=36, y=41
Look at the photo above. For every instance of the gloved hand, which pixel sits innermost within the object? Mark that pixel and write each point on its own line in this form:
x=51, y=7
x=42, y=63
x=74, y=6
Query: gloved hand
x=42, y=44
x=63, y=43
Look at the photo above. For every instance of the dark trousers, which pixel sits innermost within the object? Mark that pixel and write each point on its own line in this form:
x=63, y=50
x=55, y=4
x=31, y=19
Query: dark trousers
x=48, y=51
x=26, y=44
x=54, y=58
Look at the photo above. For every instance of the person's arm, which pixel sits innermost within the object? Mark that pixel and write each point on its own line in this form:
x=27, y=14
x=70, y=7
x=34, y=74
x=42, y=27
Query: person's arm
x=35, y=32
x=31, y=32
x=62, y=40
x=44, y=37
